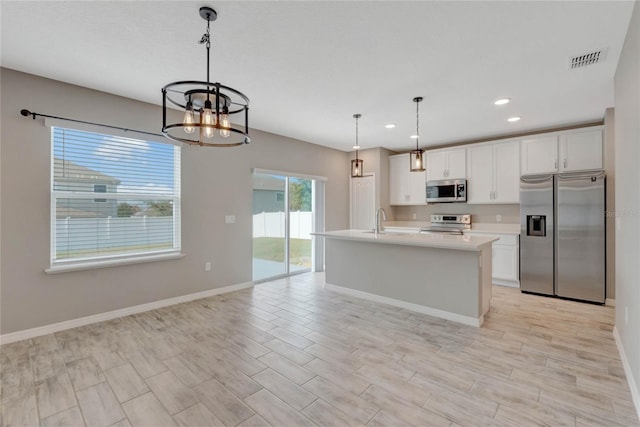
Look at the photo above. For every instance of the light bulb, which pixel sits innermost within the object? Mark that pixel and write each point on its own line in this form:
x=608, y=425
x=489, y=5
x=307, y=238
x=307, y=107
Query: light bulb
x=225, y=123
x=207, y=119
x=418, y=162
x=188, y=119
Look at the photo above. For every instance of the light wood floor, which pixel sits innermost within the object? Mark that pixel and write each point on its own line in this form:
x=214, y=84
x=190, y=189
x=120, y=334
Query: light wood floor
x=290, y=353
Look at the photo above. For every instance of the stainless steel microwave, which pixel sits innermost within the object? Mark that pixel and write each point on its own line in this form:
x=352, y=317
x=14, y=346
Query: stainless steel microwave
x=450, y=190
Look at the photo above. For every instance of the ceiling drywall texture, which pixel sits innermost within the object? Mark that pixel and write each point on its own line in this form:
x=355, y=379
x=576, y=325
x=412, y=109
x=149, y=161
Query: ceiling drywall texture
x=308, y=66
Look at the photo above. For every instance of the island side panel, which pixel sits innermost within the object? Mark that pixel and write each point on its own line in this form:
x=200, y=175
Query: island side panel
x=486, y=276
x=443, y=279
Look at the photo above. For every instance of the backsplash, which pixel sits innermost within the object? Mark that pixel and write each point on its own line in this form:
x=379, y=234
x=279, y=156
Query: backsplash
x=479, y=213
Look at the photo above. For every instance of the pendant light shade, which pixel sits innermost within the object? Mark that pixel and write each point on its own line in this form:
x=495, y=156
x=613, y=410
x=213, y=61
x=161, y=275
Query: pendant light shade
x=208, y=106
x=357, y=165
x=416, y=157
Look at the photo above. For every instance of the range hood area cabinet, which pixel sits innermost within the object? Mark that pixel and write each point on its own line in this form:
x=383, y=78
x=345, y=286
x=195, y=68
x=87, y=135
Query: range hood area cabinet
x=493, y=173
x=446, y=164
x=405, y=187
x=570, y=151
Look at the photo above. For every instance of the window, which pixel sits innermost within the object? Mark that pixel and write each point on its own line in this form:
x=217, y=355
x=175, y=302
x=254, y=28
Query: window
x=279, y=196
x=138, y=212
x=100, y=188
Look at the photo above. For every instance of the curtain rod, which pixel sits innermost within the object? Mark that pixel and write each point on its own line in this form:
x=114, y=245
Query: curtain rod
x=28, y=113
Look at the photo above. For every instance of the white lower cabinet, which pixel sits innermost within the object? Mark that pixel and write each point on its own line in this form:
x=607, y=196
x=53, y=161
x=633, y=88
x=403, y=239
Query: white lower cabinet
x=506, y=259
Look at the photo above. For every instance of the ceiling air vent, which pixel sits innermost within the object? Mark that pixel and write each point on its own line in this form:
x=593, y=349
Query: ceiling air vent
x=587, y=59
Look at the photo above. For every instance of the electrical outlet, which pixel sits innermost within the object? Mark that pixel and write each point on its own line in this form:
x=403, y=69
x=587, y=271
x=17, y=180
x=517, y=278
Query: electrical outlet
x=229, y=219
x=498, y=218
x=207, y=266
x=414, y=216
x=626, y=316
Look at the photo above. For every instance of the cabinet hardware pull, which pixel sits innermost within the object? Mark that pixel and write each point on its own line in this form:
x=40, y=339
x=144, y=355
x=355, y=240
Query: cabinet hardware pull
x=555, y=164
x=565, y=163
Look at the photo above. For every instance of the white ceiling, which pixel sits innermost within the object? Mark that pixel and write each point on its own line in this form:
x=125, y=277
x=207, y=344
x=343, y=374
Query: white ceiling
x=308, y=66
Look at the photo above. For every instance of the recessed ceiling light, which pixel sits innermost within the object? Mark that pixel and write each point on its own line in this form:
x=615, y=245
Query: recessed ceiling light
x=356, y=147
x=414, y=136
x=513, y=119
x=390, y=125
x=502, y=101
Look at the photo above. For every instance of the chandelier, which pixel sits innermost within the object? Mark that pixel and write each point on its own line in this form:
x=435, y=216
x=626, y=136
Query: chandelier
x=416, y=157
x=357, y=165
x=208, y=107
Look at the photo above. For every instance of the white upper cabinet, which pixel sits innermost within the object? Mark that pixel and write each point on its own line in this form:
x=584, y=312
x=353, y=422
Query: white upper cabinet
x=446, y=164
x=539, y=155
x=581, y=151
x=507, y=172
x=405, y=187
x=575, y=150
x=493, y=171
x=480, y=174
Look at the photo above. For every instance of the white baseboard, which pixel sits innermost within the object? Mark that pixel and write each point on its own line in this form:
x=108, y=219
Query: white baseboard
x=109, y=315
x=507, y=283
x=609, y=302
x=635, y=391
x=466, y=320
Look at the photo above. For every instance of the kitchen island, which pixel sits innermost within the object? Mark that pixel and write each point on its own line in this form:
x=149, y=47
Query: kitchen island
x=440, y=275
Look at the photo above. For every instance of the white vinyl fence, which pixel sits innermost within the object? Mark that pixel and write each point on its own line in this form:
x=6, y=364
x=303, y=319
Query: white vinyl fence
x=271, y=224
x=78, y=234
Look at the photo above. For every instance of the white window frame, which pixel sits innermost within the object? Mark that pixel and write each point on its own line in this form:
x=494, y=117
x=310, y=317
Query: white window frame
x=59, y=266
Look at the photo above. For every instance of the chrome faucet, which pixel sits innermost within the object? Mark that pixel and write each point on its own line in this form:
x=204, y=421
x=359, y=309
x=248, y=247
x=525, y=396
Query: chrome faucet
x=379, y=227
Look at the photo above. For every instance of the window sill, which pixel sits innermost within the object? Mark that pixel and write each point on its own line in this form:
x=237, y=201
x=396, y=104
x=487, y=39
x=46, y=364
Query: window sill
x=111, y=263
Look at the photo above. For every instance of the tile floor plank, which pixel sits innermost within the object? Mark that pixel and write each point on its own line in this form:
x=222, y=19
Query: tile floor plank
x=146, y=410
x=172, y=393
x=99, y=405
x=275, y=411
x=197, y=415
x=68, y=418
x=227, y=407
x=125, y=382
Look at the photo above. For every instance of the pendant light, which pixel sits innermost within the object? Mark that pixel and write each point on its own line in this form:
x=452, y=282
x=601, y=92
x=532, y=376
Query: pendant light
x=416, y=157
x=208, y=107
x=357, y=165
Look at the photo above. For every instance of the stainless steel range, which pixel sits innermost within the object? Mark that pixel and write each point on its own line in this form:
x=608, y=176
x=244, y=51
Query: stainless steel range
x=448, y=224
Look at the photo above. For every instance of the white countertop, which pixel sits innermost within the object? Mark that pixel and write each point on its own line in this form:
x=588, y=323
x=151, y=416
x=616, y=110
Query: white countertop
x=442, y=241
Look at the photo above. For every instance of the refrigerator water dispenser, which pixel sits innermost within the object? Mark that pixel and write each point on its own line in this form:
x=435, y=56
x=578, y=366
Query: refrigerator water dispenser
x=537, y=225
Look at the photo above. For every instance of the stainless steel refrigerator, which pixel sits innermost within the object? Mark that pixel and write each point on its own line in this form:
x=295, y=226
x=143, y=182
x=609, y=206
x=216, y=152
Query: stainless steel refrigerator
x=562, y=239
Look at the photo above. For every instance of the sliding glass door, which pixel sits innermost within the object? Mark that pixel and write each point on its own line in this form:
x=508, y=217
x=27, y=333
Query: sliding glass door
x=300, y=223
x=282, y=223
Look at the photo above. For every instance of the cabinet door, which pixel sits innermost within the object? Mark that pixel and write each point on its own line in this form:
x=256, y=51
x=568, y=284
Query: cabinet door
x=456, y=164
x=398, y=179
x=506, y=173
x=505, y=262
x=480, y=172
x=539, y=155
x=363, y=202
x=436, y=165
x=581, y=151
x=416, y=187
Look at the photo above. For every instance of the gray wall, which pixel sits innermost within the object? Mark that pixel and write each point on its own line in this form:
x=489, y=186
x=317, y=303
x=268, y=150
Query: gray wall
x=627, y=202
x=215, y=182
x=610, y=167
